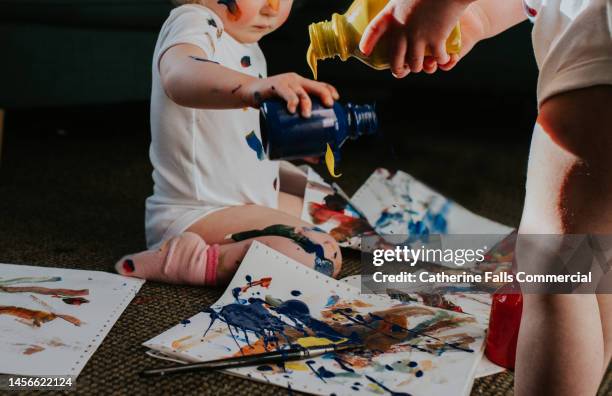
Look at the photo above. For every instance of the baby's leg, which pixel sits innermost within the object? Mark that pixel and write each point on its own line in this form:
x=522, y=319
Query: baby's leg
x=235, y=229
x=569, y=191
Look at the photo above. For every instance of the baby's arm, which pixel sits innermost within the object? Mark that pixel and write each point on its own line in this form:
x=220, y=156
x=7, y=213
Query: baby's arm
x=190, y=79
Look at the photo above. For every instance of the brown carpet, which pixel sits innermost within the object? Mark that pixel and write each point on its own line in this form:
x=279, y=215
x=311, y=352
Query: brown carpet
x=78, y=202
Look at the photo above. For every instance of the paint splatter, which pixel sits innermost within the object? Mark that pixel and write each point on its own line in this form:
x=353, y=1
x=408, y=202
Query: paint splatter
x=331, y=300
x=256, y=317
x=44, y=291
x=255, y=144
x=330, y=161
x=185, y=322
x=392, y=393
x=211, y=22
x=263, y=282
x=5, y=282
x=296, y=293
x=245, y=61
x=275, y=184
x=75, y=300
x=36, y=318
x=33, y=349
x=233, y=11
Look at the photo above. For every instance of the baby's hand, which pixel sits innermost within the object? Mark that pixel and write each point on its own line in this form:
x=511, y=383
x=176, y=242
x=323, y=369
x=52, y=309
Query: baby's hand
x=413, y=26
x=294, y=89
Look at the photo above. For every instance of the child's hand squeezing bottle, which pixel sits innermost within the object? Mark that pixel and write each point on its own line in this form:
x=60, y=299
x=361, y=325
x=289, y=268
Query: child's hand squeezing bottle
x=415, y=26
x=292, y=88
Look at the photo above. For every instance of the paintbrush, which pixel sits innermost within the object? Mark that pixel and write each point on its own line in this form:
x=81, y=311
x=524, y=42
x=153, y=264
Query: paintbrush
x=280, y=356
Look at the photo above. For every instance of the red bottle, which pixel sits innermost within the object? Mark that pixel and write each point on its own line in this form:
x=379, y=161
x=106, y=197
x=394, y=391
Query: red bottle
x=504, y=325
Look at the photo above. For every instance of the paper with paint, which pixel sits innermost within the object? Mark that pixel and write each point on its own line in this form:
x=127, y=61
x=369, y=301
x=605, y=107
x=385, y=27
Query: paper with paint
x=398, y=204
x=52, y=320
x=328, y=209
x=475, y=304
x=478, y=305
x=273, y=302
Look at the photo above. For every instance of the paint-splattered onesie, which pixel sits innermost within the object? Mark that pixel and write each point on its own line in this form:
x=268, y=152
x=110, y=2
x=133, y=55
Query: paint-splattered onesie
x=204, y=160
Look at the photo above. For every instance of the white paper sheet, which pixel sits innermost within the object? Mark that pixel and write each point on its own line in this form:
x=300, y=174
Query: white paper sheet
x=412, y=348
x=52, y=320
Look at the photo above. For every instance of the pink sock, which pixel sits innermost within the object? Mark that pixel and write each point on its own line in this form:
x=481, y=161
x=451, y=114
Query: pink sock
x=185, y=259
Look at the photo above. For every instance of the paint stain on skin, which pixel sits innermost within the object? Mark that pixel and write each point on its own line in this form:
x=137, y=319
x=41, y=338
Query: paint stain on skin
x=233, y=11
x=255, y=144
x=245, y=61
x=274, y=4
x=128, y=266
x=36, y=318
x=321, y=264
x=75, y=300
x=33, y=349
x=257, y=98
x=197, y=58
x=236, y=89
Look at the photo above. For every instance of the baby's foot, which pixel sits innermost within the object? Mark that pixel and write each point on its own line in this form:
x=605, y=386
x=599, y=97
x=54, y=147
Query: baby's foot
x=185, y=259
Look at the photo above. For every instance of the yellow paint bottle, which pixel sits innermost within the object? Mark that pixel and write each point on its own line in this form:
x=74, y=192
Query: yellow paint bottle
x=341, y=36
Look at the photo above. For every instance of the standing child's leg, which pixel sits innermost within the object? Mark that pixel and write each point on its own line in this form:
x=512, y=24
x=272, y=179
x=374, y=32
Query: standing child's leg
x=564, y=340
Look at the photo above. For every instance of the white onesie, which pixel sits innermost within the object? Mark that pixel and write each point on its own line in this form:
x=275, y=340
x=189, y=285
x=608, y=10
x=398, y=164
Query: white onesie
x=204, y=160
x=572, y=40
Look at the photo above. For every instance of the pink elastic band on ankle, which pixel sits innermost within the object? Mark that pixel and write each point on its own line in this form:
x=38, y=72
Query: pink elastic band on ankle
x=212, y=262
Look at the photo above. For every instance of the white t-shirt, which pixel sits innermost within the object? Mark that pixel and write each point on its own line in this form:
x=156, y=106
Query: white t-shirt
x=572, y=40
x=204, y=160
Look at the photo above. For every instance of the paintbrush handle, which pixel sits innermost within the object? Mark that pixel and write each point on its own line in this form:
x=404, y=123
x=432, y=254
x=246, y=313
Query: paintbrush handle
x=249, y=360
x=235, y=362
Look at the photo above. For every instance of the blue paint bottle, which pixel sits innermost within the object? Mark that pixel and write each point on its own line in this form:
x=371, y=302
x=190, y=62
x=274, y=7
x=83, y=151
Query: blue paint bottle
x=291, y=136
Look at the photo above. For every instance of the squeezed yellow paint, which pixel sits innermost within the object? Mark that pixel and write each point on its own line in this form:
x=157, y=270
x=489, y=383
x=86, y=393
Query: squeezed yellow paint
x=330, y=161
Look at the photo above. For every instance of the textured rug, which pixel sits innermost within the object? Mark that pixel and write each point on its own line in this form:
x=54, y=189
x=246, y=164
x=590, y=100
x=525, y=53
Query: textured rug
x=78, y=202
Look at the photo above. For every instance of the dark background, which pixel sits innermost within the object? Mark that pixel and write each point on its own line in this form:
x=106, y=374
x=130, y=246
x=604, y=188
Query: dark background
x=75, y=82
